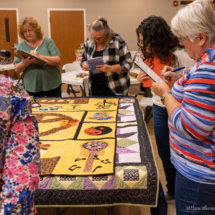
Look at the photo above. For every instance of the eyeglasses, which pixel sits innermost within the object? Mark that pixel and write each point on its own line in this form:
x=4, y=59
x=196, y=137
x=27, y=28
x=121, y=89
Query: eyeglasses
x=29, y=31
x=140, y=41
x=99, y=39
x=181, y=40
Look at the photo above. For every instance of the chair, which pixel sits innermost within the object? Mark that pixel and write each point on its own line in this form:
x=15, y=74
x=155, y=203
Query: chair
x=147, y=103
x=133, y=53
x=86, y=85
x=72, y=67
x=135, y=90
x=64, y=95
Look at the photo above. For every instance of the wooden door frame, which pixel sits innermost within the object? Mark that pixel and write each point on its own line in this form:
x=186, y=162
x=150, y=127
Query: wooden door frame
x=66, y=9
x=17, y=18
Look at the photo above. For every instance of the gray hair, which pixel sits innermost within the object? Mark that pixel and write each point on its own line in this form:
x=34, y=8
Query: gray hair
x=100, y=24
x=199, y=16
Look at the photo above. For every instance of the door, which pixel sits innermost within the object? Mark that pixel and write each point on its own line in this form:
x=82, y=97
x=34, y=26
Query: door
x=7, y=41
x=67, y=31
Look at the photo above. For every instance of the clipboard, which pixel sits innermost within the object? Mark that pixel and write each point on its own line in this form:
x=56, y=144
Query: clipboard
x=93, y=62
x=138, y=61
x=20, y=53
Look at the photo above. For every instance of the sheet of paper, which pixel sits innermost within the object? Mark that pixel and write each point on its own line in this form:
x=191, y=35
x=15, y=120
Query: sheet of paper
x=77, y=79
x=138, y=61
x=95, y=62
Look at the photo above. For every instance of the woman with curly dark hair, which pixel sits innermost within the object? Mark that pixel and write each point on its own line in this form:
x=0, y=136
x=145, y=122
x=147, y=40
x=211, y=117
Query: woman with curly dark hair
x=160, y=47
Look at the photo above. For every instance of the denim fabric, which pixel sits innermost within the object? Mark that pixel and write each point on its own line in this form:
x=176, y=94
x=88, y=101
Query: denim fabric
x=161, y=129
x=193, y=197
x=161, y=208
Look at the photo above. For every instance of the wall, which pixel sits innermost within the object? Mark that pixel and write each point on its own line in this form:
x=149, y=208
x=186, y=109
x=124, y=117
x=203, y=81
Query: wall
x=123, y=16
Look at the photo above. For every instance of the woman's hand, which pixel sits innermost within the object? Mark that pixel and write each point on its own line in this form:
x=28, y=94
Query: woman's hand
x=168, y=76
x=104, y=68
x=142, y=76
x=21, y=66
x=85, y=66
x=35, y=53
x=27, y=61
x=159, y=88
x=82, y=75
x=52, y=60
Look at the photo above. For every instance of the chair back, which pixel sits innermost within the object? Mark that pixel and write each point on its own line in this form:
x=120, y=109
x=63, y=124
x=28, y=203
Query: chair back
x=86, y=84
x=133, y=53
x=70, y=67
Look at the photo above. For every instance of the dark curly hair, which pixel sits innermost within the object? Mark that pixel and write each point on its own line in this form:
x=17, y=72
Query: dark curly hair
x=158, y=39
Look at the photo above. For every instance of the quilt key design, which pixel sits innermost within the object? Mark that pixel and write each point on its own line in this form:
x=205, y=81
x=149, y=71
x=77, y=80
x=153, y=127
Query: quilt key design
x=77, y=142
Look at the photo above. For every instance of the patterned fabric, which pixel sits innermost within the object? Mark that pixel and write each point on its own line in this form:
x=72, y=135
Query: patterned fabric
x=19, y=150
x=192, y=124
x=80, y=144
x=131, y=175
x=115, y=53
x=48, y=165
x=67, y=178
x=135, y=178
x=100, y=178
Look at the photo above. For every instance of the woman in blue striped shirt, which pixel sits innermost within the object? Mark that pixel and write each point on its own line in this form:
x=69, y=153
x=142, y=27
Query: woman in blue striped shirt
x=191, y=110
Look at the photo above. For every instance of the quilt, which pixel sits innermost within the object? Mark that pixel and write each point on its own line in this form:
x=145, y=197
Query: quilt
x=100, y=155
x=77, y=136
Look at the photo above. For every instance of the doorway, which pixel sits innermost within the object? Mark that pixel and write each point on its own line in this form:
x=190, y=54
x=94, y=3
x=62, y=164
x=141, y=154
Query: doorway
x=8, y=29
x=67, y=29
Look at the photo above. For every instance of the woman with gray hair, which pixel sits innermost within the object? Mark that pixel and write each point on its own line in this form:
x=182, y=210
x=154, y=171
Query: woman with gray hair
x=191, y=110
x=103, y=42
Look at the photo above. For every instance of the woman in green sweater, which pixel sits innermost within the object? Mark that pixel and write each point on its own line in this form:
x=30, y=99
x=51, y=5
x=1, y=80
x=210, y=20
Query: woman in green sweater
x=38, y=81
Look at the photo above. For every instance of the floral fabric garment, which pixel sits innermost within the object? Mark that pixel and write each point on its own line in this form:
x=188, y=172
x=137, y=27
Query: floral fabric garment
x=19, y=150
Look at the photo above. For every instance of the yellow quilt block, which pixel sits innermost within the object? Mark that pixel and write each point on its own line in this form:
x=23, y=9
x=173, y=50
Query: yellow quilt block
x=103, y=104
x=79, y=157
x=58, y=125
x=94, y=131
x=101, y=116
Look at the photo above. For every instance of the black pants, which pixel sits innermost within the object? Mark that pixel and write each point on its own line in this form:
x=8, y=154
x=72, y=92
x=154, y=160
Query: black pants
x=96, y=91
x=51, y=93
x=161, y=208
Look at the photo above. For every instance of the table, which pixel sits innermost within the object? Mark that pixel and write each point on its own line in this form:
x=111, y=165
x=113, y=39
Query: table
x=6, y=67
x=70, y=78
x=135, y=180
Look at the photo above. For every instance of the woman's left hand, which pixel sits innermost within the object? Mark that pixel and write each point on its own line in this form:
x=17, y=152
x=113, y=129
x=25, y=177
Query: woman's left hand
x=159, y=88
x=35, y=53
x=104, y=68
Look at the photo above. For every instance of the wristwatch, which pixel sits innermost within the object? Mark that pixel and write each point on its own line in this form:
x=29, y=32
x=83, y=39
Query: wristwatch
x=163, y=96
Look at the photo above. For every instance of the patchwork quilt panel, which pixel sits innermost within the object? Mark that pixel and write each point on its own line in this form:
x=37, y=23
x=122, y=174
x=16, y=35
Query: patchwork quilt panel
x=95, y=151
x=77, y=136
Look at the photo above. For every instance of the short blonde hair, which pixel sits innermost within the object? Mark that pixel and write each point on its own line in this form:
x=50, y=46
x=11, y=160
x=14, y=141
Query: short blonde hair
x=33, y=23
x=101, y=24
x=199, y=16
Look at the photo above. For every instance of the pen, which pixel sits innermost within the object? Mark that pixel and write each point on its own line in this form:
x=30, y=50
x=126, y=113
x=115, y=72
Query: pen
x=175, y=70
x=35, y=49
